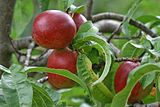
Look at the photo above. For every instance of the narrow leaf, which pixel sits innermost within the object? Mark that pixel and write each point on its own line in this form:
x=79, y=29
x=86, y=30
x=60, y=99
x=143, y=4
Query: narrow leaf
x=129, y=16
x=87, y=33
x=145, y=81
x=65, y=4
x=74, y=9
x=147, y=18
x=99, y=91
x=41, y=97
x=131, y=50
x=61, y=72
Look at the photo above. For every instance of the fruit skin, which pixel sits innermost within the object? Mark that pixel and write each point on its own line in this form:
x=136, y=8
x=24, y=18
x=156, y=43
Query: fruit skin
x=62, y=59
x=120, y=81
x=79, y=19
x=53, y=29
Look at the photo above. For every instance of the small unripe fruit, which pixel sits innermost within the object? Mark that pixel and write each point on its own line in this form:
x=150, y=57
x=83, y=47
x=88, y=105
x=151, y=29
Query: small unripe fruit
x=62, y=59
x=79, y=19
x=53, y=29
x=120, y=82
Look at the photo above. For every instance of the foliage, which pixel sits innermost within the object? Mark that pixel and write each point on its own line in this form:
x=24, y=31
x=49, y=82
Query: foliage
x=96, y=63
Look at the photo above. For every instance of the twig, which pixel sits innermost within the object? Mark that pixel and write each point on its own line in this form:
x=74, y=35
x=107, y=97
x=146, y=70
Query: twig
x=127, y=18
x=128, y=59
x=20, y=43
x=42, y=61
x=147, y=105
x=115, y=32
x=13, y=47
x=107, y=26
x=119, y=17
x=123, y=37
x=43, y=53
x=42, y=80
x=29, y=51
x=89, y=9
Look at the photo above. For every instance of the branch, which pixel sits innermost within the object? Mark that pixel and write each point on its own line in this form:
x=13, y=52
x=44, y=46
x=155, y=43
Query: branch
x=124, y=37
x=29, y=52
x=21, y=43
x=43, y=79
x=114, y=32
x=89, y=9
x=128, y=59
x=125, y=19
x=107, y=26
x=42, y=61
x=119, y=17
x=156, y=104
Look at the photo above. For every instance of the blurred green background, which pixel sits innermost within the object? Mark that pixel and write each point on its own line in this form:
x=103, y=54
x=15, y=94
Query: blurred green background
x=25, y=11
x=147, y=7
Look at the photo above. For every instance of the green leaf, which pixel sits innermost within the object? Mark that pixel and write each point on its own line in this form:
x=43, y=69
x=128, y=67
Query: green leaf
x=74, y=93
x=131, y=50
x=84, y=67
x=121, y=98
x=147, y=18
x=153, y=40
x=145, y=81
x=2, y=99
x=61, y=72
x=154, y=52
x=55, y=96
x=129, y=16
x=74, y=9
x=145, y=42
x=87, y=33
x=85, y=28
x=133, y=8
x=125, y=29
x=149, y=99
x=65, y=4
x=156, y=43
x=109, y=80
x=16, y=89
x=41, y=97
x=92, y=52
x=99, y=91
x=155, y=24
x=4, y=69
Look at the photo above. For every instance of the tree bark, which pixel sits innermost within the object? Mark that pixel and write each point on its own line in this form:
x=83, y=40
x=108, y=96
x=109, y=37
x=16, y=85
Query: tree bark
x=6, y=15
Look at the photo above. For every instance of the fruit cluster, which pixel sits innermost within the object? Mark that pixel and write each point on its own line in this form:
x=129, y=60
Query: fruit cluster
x=54, y=29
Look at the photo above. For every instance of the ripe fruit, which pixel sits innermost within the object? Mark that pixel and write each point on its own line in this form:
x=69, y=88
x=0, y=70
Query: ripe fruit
x=62, y=59
x=120, y=81
x=53, y=29
x=79, y=19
